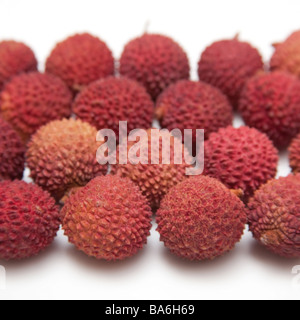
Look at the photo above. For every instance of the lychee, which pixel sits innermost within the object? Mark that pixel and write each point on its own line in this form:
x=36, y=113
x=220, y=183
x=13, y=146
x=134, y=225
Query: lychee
x=287, y=55
x=193, y=105
x=274, y=216
x=155, y=61
x=228, y=64
x=242, y=159
x=271, y=103
x=108, y=218
x=29, y=220
x=201, y=219
x=15, y=58
x=12, y=153
x=31, y=100
x=106, y=102
x=294, y=151
x=155, y=176
x=80, y=60
x=62, y=156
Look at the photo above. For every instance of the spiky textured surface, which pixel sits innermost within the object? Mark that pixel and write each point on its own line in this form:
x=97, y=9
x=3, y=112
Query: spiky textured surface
x=106, y=102
x=271, y=103
x=15, y=58
x=241, y=158
x=228, y=64
x=287, y=55
x=29, y=220
x=154, y=180
x=294, y=151
x=12, y=153
x=155, y=61
x=193, y=105
x=201, y=219
x=274, y=216
x=31, y=100
x=108, y=219
x=80, y=60
x=62, y=155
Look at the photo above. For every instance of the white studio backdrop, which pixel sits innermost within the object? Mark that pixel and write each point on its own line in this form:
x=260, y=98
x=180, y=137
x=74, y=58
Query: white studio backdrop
x=61, y=272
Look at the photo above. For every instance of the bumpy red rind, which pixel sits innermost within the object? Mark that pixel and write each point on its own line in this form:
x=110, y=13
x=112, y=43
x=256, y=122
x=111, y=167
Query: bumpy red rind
x=155, y=180
x=228, y=64
x=242, y=158
x=31, y=100
x=193, y=105
x=106, y=102
x=201, y=219
x=294, y=155
x=12, y=153
x=62, y=156
x=15, y=58
x=29, y=220
x=155, y=61
x=271, y=103
x=79, y=60
x=274, y=216
x=108, y=219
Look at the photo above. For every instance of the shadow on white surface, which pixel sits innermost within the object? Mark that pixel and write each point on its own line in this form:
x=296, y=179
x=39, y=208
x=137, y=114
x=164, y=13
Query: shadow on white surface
x=270, y=259
x=92, y=264
x=207, y=266
x=33, y=262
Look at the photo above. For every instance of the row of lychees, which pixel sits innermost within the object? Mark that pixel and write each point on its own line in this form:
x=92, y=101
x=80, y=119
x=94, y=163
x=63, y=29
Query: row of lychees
x=110, y=217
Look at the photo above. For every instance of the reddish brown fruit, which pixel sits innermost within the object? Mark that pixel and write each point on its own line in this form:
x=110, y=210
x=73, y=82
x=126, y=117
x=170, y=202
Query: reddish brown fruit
x=241, y=158
x=228, y=64
x=62, y=156
x=287, y=55
x=107, y=101
x=274, y=216
x=32, y=100
x=155, y=61
x=271, y=103
x=108, y=219
x=15, y=58
x=201, y=219
x=29, y=220
x=193, y=105
x=12, y=150
x=80, y=60
x=154, y=180
x=294, y=151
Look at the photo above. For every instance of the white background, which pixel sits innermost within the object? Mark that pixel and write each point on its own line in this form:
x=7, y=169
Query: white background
x=61, y=272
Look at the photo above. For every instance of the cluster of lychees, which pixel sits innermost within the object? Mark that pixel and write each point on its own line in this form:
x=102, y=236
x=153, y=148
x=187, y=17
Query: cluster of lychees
x=50, y=120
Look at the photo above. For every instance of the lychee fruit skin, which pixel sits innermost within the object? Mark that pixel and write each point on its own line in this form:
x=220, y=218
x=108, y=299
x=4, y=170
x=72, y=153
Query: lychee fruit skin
x=62, y=156
x=200, y=219
x=15, y=58
x=227, y=65
x=12, y=153
x=271, y=103
x=287, y=55
x=209, y=108
x=294, y=154
x=154, y=180
x=274, y=216
x=31, y=100
x=156, y=61
x=242, y=159
x=29, y=220
x=108, y=219
x=80, y=60
x=107, y=101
